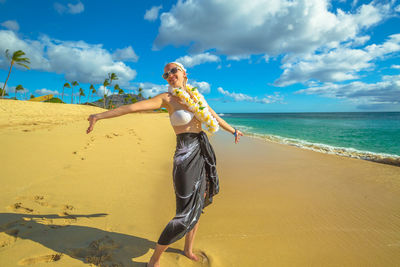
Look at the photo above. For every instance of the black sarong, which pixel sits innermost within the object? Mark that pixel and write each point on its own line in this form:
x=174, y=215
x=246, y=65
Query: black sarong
x=194, y=173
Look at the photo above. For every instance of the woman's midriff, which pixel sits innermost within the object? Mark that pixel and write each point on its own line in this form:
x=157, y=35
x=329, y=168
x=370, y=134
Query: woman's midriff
x=194, y=126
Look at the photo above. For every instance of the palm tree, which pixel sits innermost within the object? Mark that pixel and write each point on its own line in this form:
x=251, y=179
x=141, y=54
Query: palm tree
x=18, y=88
x=17, y=57
x=93, y=91
x=105, y=84
x=81, y=93
x=65, y=85
x=1, y=92
x=140, y=92
x=120, y=91
x=74, y=83
x=112, y=77
x=116, y=88
x=127, y=99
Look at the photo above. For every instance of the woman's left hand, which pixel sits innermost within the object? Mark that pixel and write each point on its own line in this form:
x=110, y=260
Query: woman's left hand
x=237, y=136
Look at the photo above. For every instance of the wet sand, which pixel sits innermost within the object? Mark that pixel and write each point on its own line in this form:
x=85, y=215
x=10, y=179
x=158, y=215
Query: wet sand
x=69, y=199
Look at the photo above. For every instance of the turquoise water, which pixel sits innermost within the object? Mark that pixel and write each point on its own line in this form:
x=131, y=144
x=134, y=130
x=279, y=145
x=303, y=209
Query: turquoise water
x=356, y=133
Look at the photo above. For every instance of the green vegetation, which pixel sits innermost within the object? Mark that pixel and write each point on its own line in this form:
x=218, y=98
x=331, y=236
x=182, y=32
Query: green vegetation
x=16, y=58
x=1, y=93
x=140, y=92
x=164, y=110
x=54, y=100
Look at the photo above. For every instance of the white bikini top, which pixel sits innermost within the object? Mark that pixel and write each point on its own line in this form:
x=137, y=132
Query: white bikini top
x=181, y=117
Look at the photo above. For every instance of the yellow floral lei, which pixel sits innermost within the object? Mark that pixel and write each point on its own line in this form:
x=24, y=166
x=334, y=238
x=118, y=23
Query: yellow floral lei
x=196, y=104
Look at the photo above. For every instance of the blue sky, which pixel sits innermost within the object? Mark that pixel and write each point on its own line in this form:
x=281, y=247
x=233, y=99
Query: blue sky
x=245, y=56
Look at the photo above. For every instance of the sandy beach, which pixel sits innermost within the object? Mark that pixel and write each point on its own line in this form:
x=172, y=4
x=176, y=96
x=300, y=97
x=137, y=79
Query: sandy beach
x=68, y=198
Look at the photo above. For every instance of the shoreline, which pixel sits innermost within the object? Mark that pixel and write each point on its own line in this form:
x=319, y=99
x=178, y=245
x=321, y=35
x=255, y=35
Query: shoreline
x=382, y=158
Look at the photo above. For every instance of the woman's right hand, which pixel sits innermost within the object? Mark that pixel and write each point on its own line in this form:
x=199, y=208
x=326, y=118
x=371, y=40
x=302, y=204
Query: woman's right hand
x=92, y=120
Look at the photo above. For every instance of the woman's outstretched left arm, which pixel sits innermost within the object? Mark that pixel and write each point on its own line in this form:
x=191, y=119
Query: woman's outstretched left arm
x=223, y=124
x=150, y=104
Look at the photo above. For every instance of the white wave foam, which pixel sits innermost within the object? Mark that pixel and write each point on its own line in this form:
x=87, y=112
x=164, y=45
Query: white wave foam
x=328, y=149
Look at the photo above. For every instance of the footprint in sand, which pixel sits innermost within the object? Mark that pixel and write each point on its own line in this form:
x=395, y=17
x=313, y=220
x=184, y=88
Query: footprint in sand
x=203, y=258
x=18, y=207
x=6, y=241
x=68, y=207
x=131, y=131
x=68, y=218
x=41, y=259
x=8, y=238
x=99, y=252
x=40, y=200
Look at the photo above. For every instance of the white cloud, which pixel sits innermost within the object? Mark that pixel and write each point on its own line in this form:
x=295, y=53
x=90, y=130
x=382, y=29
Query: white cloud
x=385, y=92
x=69, y=8
x=79, y=60
x=125, y=54
x=76, y=9
x=34, y=50
x=151, y=89
x=11, y=25
x=240, y=57
x=272, y=27
x=395, y=66
x=339, y=64
x=104, y=91
x=203, y=87
x=191, y=61
x=152, y=13
x=388, y=47
x=45, y=91
x=243, y=97
x=397, y=8
x=85, y=63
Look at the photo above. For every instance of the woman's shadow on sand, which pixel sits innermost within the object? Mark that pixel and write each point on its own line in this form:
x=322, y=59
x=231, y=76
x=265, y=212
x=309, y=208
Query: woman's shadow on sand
x=87, y=244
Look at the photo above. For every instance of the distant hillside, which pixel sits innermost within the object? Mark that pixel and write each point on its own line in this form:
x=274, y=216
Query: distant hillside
x=116, y=100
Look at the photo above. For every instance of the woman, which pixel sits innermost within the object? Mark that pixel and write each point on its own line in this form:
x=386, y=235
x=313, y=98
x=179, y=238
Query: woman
x=194, y=173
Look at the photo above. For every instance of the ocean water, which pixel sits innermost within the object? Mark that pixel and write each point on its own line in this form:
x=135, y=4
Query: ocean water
x=367, y=135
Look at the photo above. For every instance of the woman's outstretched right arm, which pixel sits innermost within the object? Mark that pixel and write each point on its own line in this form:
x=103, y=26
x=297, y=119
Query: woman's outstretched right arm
x=150, y=104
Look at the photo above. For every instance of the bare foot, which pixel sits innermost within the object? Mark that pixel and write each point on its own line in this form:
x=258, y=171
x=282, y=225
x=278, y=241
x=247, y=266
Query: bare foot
x=150, y=264
x=191, y=256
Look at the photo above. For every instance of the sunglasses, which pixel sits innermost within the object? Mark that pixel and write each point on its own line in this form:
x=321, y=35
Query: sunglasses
x=173, y=71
